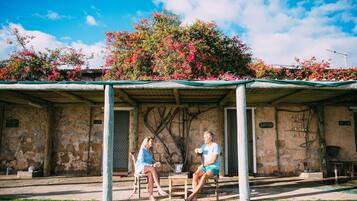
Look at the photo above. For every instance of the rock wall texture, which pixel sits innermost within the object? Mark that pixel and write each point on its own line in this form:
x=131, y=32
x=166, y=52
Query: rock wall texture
x=23, y=146
x=289, y=148
x=341, y=135
x=211, y=120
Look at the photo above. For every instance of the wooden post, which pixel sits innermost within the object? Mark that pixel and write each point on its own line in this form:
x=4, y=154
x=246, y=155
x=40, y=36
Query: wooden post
x=108, y=133
x=277, y=141
x=136, y=128
x=90, y=125
x=49, y=141
x=322, y=139
x=244, y=191
x=2, y=121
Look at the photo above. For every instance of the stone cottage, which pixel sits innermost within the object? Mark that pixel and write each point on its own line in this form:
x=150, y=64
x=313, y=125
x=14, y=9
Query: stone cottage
x=59, y=126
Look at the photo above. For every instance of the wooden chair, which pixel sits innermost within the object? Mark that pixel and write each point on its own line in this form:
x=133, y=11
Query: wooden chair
x=216, y=184
x=139, y=179
x=215, y=179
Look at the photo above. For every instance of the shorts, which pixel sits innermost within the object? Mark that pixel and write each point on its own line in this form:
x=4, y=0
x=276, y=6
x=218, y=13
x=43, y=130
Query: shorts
x=213, y=168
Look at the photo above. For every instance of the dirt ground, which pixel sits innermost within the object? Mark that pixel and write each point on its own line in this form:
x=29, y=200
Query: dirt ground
x=90, y=188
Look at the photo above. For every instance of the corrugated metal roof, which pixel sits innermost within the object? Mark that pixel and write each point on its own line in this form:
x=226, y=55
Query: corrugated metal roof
x=258, y=92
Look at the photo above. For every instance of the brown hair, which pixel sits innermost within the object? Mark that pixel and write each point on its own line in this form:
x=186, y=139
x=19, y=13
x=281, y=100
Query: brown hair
x=146, y=141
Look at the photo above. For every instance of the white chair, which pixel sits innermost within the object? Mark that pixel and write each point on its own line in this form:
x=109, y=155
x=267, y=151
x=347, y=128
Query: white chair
x=139, y=179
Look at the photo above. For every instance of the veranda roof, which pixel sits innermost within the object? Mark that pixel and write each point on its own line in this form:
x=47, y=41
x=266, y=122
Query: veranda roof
x=259, y=92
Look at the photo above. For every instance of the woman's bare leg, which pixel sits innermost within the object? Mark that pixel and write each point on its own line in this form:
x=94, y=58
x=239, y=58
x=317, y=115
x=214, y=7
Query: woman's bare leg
x=153, y=171
x=150, y=183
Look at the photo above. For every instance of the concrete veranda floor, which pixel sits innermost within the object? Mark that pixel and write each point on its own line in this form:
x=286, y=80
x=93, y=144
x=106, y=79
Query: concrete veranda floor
x=89, y=188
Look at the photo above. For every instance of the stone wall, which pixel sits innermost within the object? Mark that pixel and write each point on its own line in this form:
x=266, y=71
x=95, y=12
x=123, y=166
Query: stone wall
x=293, y=125
x=342, y=136
x=265, y=142
x=23, y=146
x=211, y=120
x=71, y=139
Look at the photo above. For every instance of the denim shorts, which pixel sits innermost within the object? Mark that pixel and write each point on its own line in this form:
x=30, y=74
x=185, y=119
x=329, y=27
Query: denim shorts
x=213, y=168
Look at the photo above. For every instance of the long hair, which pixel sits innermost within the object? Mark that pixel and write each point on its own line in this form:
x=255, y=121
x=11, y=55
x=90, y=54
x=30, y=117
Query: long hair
x=146, y=141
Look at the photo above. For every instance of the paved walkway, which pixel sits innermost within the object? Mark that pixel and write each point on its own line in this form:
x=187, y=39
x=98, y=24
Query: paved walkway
x=89, y=188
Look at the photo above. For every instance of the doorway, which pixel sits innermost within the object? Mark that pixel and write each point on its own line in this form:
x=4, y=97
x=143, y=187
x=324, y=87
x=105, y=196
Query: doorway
x=121, y=140
x=231, y=149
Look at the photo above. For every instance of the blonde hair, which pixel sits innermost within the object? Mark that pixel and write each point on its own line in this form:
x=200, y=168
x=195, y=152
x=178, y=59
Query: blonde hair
x=209, y=133
x=146, y=141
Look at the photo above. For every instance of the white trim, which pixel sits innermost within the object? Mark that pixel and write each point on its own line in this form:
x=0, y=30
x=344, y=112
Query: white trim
x=226, y=137
x=122, y=108
x=254, y=143
x=64, y=87
x=225, y=142
x=99, y=86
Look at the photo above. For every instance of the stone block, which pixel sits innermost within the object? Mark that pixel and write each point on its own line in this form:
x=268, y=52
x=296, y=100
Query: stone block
x=311, y=175
x=24, y=175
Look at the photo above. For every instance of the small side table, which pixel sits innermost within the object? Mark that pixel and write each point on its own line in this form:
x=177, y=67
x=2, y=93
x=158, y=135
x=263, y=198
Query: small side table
x=177, y=177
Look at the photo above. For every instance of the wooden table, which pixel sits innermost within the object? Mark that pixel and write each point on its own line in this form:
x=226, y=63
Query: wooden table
x=177, y=177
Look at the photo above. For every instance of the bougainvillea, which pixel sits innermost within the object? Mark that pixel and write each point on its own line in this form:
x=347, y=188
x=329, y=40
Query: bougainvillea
x=308, y=69
x=28, y=64
x=162, y=49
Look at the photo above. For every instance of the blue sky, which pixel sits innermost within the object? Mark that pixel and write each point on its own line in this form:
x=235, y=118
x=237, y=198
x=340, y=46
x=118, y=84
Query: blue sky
x=276, y=31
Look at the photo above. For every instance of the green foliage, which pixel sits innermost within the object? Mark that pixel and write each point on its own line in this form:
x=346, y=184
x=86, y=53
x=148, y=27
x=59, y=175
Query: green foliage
x=27, y=64
x=310, y=69
x=162, y=49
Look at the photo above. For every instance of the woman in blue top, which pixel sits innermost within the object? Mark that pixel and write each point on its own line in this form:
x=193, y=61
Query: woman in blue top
x=144, y=164
x=211, y=158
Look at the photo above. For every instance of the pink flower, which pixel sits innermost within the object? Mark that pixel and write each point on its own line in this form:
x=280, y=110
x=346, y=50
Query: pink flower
x=191, y=57
x=27, y=53
x=157, y=15
x=27, y=69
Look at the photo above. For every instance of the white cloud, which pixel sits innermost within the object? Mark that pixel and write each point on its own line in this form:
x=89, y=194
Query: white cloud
x=91, y=20
x=52, y=15
x=276, y=32
x=43, y=40
x=67, y=38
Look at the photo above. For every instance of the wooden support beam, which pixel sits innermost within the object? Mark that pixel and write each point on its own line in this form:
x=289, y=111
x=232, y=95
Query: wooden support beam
x=281, y=98
x=74, y=97
x=338, y=98
x=242, y=143
x=90, y=125
x=322, y=139
x=277, y=140
x=136, y=128
x=108, y=135
x=20, y=98
x=225, y=99
x=144, y=105
x=124, y=96
x=49, y=141
x=177, y=96
x=3, y=103
x=2, y=122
